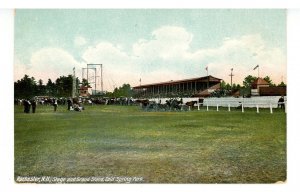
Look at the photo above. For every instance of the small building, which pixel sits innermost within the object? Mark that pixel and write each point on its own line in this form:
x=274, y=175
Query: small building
x=84, y=91
x=260, y=87
x=257, y=84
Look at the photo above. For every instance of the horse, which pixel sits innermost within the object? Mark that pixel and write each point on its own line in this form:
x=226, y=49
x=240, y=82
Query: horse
x=191, y=104
x=174, y=104
x=143, y=102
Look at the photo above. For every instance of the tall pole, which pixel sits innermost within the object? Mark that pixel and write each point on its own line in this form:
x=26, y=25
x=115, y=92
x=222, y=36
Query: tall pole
x=207, y=77
x=231, y=77
x=101, y=78
x=87, y=74
x=95, y=81
x=74, y=84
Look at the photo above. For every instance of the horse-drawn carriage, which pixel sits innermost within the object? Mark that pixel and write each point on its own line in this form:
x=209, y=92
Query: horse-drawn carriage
x=173, y=104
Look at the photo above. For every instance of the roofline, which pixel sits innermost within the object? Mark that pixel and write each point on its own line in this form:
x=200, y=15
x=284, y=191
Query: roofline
x=175, y=82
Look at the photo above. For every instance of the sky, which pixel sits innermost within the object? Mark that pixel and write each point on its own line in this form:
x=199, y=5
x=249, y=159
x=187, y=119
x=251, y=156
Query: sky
x=151, y=45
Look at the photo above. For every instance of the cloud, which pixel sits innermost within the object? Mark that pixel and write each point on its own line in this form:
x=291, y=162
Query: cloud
x=19, y=69
x=243, y=54
x=51, y=63
x=107, y=53
x=80, y=41
x=167, y=42
x=167, y=55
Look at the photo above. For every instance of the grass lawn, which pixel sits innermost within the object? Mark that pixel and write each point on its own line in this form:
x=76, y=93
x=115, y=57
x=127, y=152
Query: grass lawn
x=162, y=147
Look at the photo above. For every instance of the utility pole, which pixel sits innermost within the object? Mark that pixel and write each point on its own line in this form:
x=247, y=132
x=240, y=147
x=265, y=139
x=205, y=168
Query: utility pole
x=231, y=75
x=74, y=84
x=101, y=79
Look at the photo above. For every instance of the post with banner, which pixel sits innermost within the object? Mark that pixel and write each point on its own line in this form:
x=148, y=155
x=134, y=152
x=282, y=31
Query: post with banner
x=257, y=67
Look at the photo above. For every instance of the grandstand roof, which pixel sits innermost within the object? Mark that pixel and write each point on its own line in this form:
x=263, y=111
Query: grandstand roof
x=198, y=79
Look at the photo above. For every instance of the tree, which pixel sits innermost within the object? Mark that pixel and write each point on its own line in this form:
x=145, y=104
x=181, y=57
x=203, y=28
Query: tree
x=41, y=89
x=248, y=81
x=124, y=91
x=50, y=88
x=25, y=88
x=282, y=84
x=85, y=83
x=222, y=84
x=64, y=85
x=268, y=79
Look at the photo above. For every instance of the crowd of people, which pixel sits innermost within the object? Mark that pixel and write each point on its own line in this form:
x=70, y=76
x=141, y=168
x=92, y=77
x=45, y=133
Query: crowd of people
x=31, y=104
x=76, y=104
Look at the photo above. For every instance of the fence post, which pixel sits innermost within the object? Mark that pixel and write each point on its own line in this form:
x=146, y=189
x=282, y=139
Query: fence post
x=198, y=106
x=242, y=107
x=285, y=106
x=271, y=109
x=257, y=109
x=228, y=107
x=217, y=107
x=189, y=108
x=207, y=107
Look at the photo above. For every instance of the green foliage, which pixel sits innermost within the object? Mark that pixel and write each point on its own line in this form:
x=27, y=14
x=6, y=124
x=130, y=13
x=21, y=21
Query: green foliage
x=28, y=88
x=85, y=83
x=25, y=88
x=282, y=84
x=123, y=91
x=268, y=79
x=64, y=85
x=248, y=81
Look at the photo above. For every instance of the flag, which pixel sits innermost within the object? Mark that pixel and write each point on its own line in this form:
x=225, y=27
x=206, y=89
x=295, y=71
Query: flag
x=231, y=69
x=256, y=67
x=206, y=68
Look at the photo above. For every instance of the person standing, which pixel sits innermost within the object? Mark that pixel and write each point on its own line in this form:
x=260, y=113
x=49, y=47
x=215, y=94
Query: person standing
x=69, y=101
x=26, y=104
x=55, y=104
x=33, y=105
x=281, y=102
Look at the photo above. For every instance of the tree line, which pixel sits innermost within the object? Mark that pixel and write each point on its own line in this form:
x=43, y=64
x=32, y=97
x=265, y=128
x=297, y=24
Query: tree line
x=28, y=87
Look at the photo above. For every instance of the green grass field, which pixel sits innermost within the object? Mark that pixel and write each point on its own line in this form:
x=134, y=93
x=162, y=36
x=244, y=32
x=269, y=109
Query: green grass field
x=162, y=147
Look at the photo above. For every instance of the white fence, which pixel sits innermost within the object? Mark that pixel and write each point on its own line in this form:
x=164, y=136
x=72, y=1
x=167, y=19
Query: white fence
x=229, y=102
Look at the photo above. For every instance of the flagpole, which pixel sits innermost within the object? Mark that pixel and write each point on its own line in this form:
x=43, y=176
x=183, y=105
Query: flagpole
x=207, y=77
x=257, y=67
